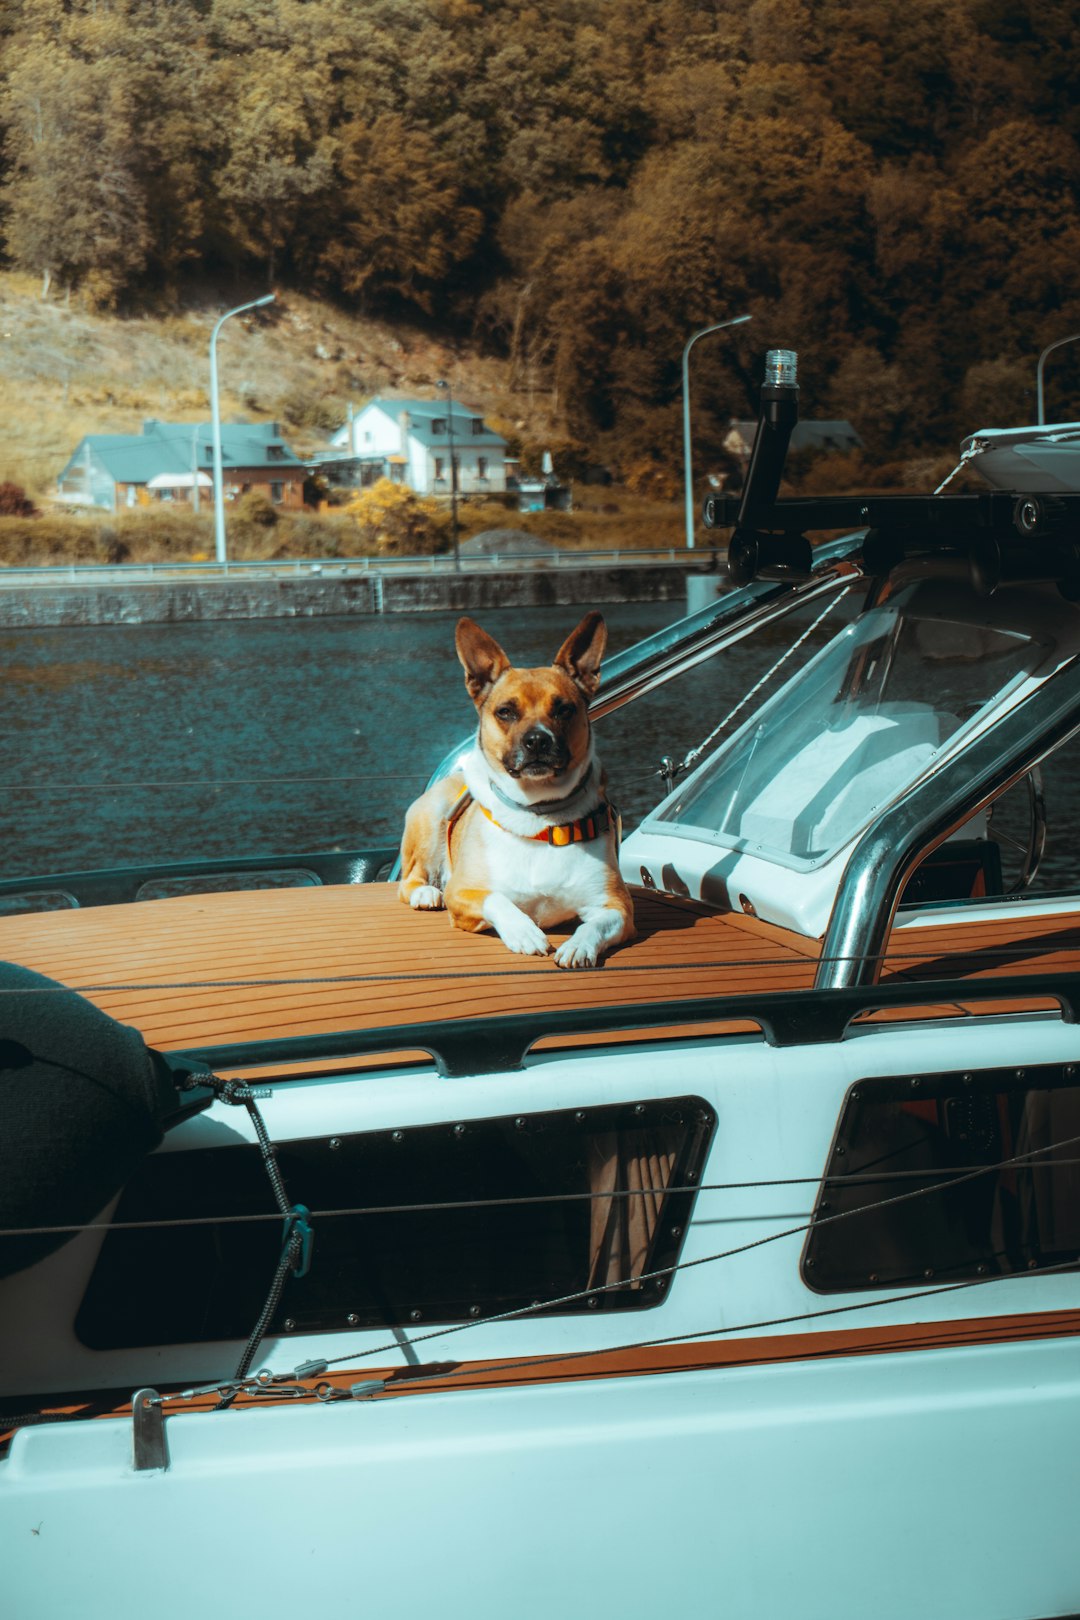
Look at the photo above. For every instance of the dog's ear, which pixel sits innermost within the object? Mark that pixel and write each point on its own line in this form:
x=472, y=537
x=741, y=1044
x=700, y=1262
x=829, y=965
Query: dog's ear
x=482, y=659
x=581, y=652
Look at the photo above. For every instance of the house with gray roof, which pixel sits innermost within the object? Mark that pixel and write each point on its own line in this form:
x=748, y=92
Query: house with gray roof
x=410, y=441
x=174, y=461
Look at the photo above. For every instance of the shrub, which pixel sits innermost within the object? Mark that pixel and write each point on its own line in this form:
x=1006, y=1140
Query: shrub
x=393, y=520
x=15, y=502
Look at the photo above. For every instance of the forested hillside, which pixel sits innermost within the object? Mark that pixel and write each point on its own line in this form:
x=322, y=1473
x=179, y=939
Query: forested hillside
x=889, y=186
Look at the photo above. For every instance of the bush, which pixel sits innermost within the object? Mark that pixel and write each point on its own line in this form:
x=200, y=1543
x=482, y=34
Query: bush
x=15, y=502
x=393, y=520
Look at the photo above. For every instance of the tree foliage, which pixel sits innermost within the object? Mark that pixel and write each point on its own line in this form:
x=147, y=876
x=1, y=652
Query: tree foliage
x=891, y=189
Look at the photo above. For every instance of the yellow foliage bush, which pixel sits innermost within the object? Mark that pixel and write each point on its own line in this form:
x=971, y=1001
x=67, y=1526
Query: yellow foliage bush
x=392, y=520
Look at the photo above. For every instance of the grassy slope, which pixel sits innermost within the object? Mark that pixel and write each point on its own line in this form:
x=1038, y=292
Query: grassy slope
x=69, y=371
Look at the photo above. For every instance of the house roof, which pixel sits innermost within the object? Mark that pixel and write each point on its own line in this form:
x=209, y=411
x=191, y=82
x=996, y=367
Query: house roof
x=423, y=412
x=170, y=447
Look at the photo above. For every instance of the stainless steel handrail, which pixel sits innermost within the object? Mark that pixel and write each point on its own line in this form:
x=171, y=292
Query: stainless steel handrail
x=927, y=814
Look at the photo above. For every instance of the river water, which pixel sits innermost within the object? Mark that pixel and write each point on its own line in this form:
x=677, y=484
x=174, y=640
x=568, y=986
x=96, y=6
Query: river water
x=127, y=744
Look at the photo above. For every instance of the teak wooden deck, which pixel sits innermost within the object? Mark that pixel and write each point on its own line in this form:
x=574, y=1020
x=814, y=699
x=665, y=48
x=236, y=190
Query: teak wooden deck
x=205, y=970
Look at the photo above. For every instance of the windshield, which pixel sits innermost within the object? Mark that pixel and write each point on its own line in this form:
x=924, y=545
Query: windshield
x=866, y=717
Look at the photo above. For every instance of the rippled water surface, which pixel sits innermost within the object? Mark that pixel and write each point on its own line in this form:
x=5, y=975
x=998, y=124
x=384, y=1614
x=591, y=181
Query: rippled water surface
x=127, y=744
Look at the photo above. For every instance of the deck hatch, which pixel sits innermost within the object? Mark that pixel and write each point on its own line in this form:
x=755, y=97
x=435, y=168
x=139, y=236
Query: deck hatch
x=466, y=1219
x=924, y=1135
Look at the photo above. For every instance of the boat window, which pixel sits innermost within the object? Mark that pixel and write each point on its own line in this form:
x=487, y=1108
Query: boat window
x=433, y=1223
x=924, y=1136
x=865, y=718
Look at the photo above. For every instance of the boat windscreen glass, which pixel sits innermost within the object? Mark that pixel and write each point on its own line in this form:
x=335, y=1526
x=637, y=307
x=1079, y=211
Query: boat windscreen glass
x=865, y=718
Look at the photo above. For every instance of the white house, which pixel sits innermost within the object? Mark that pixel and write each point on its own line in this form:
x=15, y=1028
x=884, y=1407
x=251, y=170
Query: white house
x=411, y=442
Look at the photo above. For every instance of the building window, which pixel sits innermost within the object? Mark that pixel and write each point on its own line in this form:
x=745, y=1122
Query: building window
x=438, y=424
x=926, y=1134
x=277, y=493
x=467, y=1219
x=275, y=452
x=481, y=466
x=440, y=469
x=477, y=425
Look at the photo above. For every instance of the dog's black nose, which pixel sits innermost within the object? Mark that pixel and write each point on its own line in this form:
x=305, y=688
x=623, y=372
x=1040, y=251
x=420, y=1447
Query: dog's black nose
x=537, y=741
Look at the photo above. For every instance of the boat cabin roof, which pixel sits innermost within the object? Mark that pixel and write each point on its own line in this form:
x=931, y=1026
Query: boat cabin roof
x=221, y=970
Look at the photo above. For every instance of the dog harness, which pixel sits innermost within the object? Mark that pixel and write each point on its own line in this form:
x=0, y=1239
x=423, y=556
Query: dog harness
x=582, y=831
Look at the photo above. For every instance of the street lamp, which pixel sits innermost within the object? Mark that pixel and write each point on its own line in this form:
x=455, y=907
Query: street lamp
x=453, y=472
x=1041, y=417
x=688, y=472
x=219, y=501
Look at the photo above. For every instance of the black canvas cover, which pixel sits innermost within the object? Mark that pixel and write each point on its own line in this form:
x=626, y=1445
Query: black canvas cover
x=82, y=1100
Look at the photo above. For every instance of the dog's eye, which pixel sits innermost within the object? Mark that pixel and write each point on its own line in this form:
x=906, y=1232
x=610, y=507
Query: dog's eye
x=561, y=710
x=506, y=713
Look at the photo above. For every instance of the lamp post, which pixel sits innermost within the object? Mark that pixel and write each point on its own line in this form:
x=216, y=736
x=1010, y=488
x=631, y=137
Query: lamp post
x=219, y=501
x=688, y=472
x=453, y=472
x=1041, y=416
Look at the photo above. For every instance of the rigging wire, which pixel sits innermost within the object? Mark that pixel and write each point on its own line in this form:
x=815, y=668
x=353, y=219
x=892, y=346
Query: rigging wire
x=610, y=969
x=707, y=1259
x=529, y=1362
x=870, y=1178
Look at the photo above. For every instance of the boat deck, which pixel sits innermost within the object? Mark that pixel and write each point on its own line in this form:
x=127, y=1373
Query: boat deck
x=207, y=970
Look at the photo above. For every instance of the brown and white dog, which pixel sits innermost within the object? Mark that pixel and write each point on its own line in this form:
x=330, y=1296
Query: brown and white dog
x=521, y=837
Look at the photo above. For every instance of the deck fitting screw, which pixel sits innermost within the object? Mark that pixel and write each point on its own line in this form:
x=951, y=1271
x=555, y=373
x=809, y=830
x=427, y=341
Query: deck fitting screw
x=691, y=1175
x=519, y=1124
x=459, y=1130
x=840, y=1150
x=592, y=1302
x=397, y=1136
x=873, y=1276
x=915, y=1081
x=639, y=1108
x=474, y=1310
x=1021, y=1074
x=415, y=1316
x=1033, y=1265
x=1070, y=1070
x=929, y=1272
x=335, y=1142
x=968, y=1078
x=810, y=1263
x=288, y=1324
x=854, y=1096
x=580, y=1116
x=676, y=1231
x=352, y=1319
x=981, y=1271
x=660, y=1284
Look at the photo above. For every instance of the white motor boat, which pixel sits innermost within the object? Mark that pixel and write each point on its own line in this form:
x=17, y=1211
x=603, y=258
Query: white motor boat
x=450, y=1276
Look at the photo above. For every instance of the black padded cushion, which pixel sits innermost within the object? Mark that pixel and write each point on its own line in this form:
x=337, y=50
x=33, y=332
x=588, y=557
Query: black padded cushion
x=82, y=1099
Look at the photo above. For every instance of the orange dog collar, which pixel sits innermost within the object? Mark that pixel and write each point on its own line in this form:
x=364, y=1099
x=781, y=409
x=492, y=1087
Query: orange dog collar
x=568, y=832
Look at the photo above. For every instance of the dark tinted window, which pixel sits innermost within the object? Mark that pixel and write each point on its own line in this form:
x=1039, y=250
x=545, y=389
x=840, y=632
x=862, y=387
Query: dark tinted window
x=465, y=1220
x=926, y=1134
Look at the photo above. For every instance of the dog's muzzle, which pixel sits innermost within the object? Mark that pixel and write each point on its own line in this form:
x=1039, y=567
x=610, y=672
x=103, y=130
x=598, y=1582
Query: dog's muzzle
x=537, y=750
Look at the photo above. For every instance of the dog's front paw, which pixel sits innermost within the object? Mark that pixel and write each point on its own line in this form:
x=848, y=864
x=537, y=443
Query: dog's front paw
x=517, y=931
x=524, y=937
x=581, y=950
x=426, y=898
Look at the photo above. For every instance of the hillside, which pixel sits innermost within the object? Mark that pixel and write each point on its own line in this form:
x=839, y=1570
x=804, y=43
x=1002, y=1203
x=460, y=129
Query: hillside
x=71, y=370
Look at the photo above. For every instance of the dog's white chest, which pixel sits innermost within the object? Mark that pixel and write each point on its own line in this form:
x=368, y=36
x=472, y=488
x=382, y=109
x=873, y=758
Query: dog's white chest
x=550, y=883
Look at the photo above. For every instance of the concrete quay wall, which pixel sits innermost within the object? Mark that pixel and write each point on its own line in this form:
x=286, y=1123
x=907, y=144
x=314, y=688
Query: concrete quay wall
x=185, y=601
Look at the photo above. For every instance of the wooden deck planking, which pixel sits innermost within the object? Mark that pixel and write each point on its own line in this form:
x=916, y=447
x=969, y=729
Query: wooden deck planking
x=171, y=967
